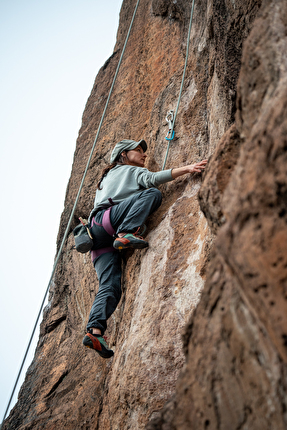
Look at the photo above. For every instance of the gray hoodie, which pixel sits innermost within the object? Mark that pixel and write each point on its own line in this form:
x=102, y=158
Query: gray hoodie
x=124, y=181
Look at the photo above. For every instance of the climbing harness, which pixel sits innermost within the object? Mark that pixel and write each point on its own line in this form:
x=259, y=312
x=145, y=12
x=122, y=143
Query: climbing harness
x=106, y=223
x=170, y=135
x=72, y=213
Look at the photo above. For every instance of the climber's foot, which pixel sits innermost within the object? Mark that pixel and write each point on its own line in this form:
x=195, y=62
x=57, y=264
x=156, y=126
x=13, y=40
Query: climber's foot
x=99, y=344
x=141, y=230
x=130, y=240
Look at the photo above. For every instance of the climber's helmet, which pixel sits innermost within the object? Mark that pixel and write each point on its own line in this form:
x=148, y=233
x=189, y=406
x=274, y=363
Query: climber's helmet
x=126, y=145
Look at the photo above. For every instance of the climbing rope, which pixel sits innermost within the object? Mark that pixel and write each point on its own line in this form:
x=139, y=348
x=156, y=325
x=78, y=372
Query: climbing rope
x=170, y=116
x=72, y=213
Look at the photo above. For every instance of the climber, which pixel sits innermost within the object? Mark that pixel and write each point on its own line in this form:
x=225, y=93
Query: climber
x=126, y=195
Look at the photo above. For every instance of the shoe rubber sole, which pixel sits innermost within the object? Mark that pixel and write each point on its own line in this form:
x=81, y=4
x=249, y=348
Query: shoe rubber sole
x=133, y=242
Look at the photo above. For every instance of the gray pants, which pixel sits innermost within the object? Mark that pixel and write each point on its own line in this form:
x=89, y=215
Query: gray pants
x=127, y=216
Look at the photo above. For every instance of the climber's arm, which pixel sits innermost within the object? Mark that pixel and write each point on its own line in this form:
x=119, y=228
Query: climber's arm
x=191, y=168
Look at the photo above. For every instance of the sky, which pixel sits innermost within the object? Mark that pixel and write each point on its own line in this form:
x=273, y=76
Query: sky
x=51, y=51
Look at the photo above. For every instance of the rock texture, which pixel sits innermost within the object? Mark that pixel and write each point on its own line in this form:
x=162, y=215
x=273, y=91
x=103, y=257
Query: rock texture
x=235, y=341
x=216, y=268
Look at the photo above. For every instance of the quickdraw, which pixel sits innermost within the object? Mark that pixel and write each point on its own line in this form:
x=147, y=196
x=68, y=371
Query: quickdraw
x=169, y=118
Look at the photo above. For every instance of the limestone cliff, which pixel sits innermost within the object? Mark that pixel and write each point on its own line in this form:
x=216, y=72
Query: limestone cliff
x=216, y=268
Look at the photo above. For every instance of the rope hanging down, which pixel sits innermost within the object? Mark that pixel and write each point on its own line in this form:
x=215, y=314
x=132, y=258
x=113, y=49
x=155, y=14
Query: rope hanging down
x=72, y=213
x=170, y=117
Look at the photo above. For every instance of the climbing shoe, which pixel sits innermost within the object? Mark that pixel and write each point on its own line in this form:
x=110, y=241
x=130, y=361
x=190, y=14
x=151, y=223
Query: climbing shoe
x=130, y=240
x=98, y=343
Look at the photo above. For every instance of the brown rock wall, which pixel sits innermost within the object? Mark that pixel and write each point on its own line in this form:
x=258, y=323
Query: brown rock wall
x=235, y=342
x=233, y=363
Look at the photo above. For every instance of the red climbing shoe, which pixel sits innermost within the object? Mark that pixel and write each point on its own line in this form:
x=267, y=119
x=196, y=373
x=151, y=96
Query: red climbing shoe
x=98, y=343
x=130, y=240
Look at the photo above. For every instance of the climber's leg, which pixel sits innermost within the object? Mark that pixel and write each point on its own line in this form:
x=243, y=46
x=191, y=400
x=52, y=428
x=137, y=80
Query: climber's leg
x=108, y=268
x=128, y=216
x=132, y=213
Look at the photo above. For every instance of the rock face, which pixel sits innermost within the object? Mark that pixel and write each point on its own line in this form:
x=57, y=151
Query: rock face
x=216, y=268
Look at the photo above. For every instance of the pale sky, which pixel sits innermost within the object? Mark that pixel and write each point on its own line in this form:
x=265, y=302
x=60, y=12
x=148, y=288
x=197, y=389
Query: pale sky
x=51, y=52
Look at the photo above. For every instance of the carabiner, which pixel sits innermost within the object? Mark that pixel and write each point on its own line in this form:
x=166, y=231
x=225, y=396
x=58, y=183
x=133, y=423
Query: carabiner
x=169, y=119
x=172, y=136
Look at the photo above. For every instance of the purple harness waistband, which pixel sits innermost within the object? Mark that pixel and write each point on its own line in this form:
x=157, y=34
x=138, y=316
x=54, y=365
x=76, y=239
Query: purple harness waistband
x=106, y=223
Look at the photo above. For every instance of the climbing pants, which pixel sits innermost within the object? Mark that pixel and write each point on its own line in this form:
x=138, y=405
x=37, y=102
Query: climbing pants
x=127, y=216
